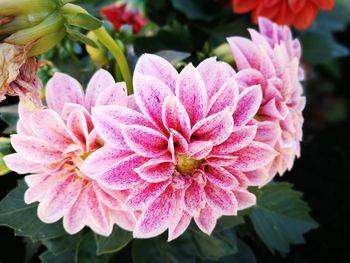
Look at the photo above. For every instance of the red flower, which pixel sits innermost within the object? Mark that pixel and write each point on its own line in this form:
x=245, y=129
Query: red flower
x=118, y=15
x=298, y=13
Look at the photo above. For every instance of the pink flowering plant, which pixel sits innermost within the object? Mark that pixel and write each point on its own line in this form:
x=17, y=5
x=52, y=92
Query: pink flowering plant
x=172, y=152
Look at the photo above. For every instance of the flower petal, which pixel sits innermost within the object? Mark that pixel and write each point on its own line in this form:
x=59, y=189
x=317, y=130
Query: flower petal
x=155, y=219
x=124, y=219
x=200, y=149
x=78, y=127
x=158, y=68
x=144, y=141
x=177, y=230
x=248, y=105
x=221, y=178
x=206, y=220
x=217, y=127
x=114, y=94
x=97, y=86
x=156, y=170
x=244, y=198
x=62, y=88
x=194, y=199
x=15, y=162
x=190, y=89
x=223, y=202
x=36, y=191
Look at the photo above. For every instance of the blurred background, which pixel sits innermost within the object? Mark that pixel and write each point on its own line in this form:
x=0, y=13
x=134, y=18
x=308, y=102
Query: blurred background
x=193, y=30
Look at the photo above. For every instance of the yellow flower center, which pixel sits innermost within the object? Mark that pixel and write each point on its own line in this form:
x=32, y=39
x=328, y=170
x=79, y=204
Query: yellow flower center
x=186, y=164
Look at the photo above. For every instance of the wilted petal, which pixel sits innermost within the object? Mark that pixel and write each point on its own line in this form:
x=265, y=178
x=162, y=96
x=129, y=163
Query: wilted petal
x=191, y=91
x=62, y=88
x=157, y=67
x=155, y=219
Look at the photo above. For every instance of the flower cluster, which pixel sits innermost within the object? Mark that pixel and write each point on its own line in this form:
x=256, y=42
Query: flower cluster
x=299, y=13
x=187, y=145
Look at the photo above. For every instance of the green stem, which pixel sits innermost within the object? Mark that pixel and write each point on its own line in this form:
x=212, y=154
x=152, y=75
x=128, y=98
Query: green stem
x=118, y=54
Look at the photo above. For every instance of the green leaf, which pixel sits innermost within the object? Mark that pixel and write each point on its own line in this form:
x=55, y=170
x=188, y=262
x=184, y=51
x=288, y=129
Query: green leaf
x=62, y=244
x=114, y=242
x=86, y=251
x=213, y=247
x=49, y=257
x=158, y=250
x=227, y=222
x=83, y=20
x=281, y=217
x=9, y=114
x=23, y=218
x=5, y=148
x=77, y=36
x=194, y=9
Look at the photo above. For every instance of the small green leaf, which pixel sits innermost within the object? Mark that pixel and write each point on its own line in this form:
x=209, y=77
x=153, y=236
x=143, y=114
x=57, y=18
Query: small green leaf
x=158, y=250
x=281, y=217
x=62, y=244
x=114, y=242
x=9, y=114
x=23, y=218
x=5, y=148
x=227, y=222
x=77, y=36
x=49, y=257
x=83, y=20
x=86, y=251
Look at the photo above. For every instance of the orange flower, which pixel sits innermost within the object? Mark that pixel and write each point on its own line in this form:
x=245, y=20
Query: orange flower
x=298, y=13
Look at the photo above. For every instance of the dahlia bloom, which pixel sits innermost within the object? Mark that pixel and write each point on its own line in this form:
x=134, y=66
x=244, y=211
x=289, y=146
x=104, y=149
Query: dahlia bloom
x=298, y=13
x=52, y=144
x=271, y=59
x=191, y=148
x=118, y=15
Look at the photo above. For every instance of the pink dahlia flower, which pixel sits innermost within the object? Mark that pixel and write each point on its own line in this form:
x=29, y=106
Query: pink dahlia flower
x=51, y=146
x=272, y=59
x=192, y=151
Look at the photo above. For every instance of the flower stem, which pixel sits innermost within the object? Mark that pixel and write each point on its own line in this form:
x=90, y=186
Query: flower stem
x=118, y=54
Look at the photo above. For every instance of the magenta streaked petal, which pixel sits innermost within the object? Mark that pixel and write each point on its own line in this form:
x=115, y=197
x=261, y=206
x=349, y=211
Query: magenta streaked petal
x=220, y=160
x=96, y=86
x=158, y=68
x=78, y=127
x=221, y=201
x=105, y=198
x=248, y=105
x=62, y=88
x=217, y=127
x=206, y=220
x=175, y=117
x=144, y=141
x=15, y=162
x=194, y=199
x=258, y=177
x=156, y=170
x=156, y=218
x=114, y=94
x=35, y=149
x=59, y=199
x=244, y=198
x=245, y=53
x=268, y=132
x=254, y=156
x=191, y=91
x=142, y=196
x=249, y=77
x=177, y=230
x=149, y=95
x=221, y=178
x=122, y=176
x=176, y=144
x=214, y=74
x=200, y=149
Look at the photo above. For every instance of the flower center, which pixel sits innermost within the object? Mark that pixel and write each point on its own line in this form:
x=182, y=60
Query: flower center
x=186, y=164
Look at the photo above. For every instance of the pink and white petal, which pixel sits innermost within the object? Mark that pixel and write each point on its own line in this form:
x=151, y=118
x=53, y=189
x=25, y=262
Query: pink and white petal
x=244, y=198
x=220, y=160
x=107, y=120
x=15, y=162
x=245, y=53
x=177, y=230
x=98, y=216
x=226, y=96
x=206, y=221
x=194, y=199
x=48, y=125
x=93, y=141
x=132, y=103
x=178, y=222
x=102, y=159
x=239, y=138
x=36, y=191
x=76, y=217
x=249, y=77
x=214, y=74
x=96, y=86
x=217, y=127
x=156, y=218
x=114, y=94
x=254, y=156
x=176, y=144
x=158, y=68
x=59, y=199
x=221, y=178
x=175, y=117
x=145, y=194
x=144, y=141
x=156, y=170
x=258, y=177
x=248, y=105
x=200, y=149
x=68, y=108
x=191, y=91
x=78, y=127
x=122, y=176
x=268, y=132
x=149, y=95
x=62, y=88
x=105, y=198
x=222, y=201
x=124, y=219
x=35, y=149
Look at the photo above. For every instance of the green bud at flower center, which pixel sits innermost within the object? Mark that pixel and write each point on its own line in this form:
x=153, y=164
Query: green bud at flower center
x=186, y=164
